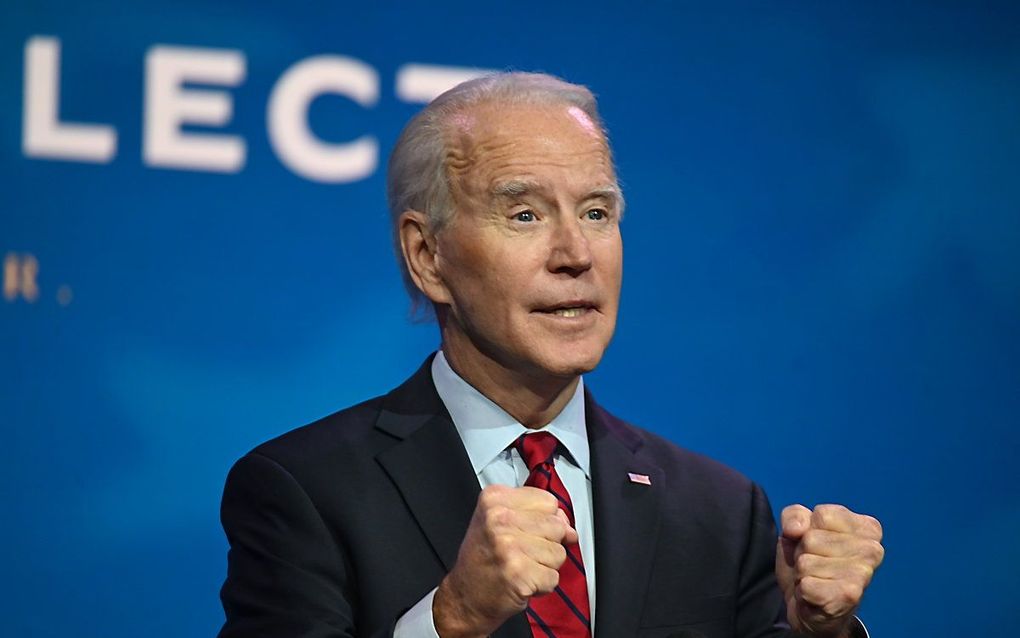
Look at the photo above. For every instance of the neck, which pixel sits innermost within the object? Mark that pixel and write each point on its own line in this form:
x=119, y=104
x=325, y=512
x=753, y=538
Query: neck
x=534, y=400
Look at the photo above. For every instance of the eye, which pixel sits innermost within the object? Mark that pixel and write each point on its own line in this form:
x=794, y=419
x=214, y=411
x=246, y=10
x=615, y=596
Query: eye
x=596, y=214
x=525, y=216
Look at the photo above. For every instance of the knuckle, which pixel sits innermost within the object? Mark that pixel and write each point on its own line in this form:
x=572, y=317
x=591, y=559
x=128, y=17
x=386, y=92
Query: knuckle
x=559, y=554
x=875, y=527
x=851, y=592
x=491, y=495
x=833, y=608
x=828, y=514
x=819, y=515
x=505, y=547
x=875, y=552
x=803, y=564
x=495, y=516
x=550, y=501
x=551, y=580
x=522, y=589
x=811, y=539
x=809, y=590
x=865, y=573
x=513, y=567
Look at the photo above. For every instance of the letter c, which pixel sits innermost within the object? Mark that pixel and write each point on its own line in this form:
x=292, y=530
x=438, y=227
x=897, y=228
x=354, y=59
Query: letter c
x=287, y=119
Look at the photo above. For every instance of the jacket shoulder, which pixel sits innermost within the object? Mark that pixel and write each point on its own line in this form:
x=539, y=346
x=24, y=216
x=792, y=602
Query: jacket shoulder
x=344, y=444
x=325, y=437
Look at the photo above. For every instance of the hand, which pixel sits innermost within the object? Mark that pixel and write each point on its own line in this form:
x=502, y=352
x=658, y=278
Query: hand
x=512, y=551
x=824, y=561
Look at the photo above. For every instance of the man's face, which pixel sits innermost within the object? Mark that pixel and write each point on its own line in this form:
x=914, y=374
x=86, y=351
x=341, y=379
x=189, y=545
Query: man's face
x=532, y=258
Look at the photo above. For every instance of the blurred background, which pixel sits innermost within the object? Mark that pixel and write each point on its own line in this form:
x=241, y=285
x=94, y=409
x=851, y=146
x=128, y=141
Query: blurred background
x=822, y=282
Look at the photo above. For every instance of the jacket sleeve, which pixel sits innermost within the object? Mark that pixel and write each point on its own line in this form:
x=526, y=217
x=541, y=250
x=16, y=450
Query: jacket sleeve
x=286, y=574
x=761, y=611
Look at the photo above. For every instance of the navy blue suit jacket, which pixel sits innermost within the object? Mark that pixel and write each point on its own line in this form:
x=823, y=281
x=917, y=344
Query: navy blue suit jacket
x=339, y=527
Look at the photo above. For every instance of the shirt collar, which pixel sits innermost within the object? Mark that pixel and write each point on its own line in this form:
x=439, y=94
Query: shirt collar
x=487, y=430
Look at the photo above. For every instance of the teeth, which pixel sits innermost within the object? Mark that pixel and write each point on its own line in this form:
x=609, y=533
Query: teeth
x=569, y=312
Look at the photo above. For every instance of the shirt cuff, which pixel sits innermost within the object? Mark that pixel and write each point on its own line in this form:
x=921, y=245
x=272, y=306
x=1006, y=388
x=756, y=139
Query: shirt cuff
x=418, y=621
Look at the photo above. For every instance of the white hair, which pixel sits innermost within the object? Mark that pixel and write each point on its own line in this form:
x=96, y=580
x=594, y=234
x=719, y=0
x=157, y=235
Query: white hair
x=417, y=176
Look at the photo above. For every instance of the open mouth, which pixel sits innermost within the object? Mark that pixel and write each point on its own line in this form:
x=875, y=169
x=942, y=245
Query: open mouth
x=569, y=310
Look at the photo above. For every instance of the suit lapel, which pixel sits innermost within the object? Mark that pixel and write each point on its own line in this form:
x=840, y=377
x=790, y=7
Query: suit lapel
x=434, y=475
x=626, y=521
x=429, y=465
x=432, y=471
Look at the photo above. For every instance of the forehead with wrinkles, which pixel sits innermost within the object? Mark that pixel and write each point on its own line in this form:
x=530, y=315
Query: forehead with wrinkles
x=492, y=142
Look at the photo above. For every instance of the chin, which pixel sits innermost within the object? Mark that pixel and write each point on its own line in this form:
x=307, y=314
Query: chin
x=571, y=364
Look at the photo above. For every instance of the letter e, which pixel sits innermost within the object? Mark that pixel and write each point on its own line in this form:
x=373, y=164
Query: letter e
x=168, y=105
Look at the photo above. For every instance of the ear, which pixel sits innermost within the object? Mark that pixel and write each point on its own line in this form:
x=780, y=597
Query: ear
x=419, y=246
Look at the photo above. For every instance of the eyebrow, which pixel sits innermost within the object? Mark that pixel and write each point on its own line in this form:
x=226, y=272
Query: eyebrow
x=518, y=187
x=515, y=188
x=607, y=192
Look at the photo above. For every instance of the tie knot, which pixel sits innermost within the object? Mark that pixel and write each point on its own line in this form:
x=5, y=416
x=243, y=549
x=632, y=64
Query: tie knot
x=536, y=448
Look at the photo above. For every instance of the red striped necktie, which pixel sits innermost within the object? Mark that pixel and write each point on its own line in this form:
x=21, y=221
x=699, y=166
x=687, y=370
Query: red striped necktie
x=564, y=613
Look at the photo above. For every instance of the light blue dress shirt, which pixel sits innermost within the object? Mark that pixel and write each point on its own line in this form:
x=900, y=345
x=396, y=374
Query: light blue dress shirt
x=487, y=432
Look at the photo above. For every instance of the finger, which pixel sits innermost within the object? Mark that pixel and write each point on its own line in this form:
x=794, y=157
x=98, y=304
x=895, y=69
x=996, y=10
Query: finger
x=834, y=598
x=571, y=536
x=513, y=554
x=795, y=520
x=543, y=503
x=832, y=517
x=527, y=577
x=544, y=552
x=851, y=569
x=532, y=498
x=517, y=498
x=493, y=497
x=837, y=518
x=545, y=580
x=547, y=526
x=840, y=545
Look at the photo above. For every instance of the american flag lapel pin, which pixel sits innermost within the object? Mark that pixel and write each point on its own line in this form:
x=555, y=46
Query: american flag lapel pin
x=639, y=478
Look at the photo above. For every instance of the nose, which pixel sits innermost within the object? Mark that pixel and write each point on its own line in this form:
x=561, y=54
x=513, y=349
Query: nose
x=570, y=252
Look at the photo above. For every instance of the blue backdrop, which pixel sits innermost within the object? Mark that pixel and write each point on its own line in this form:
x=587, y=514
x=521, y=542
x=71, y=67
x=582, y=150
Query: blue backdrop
x=822, y=275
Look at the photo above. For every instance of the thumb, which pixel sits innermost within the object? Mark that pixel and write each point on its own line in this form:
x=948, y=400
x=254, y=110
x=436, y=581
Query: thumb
x=786, y=554
x=795, y=520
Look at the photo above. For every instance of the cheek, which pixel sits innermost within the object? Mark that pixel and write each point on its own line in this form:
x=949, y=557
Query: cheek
x=483, y=288
x=461, y=264
x=610, y=258
x=494, y=270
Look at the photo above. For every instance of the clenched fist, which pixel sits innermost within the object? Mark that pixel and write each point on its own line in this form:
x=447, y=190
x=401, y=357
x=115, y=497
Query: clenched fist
x=824, y=561
x=513, y=550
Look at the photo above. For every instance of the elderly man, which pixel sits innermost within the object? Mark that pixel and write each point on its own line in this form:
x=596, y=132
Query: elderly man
x=490, y=494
